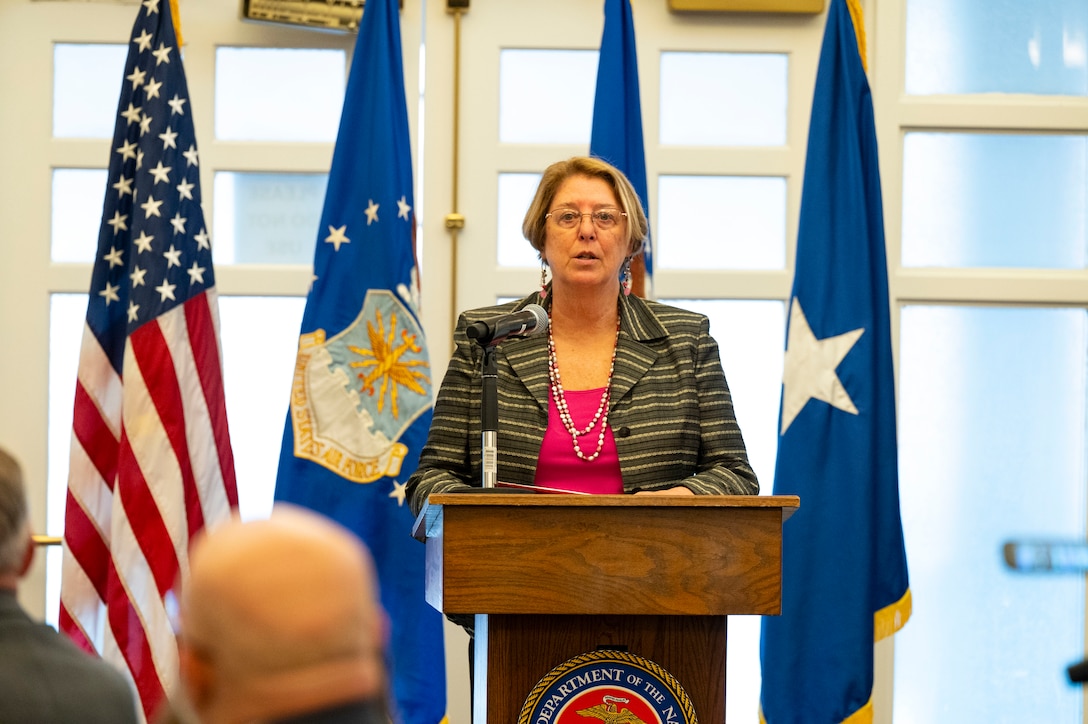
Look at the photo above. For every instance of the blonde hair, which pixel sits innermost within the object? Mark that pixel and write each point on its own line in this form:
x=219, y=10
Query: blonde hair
x=533, y=227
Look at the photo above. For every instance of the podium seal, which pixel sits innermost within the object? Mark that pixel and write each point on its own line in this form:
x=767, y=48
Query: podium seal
x=609, y=686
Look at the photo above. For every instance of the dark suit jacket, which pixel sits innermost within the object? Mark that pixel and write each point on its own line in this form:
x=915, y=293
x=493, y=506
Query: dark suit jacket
x=671, y=413
x=46, y=679
x=359, y=712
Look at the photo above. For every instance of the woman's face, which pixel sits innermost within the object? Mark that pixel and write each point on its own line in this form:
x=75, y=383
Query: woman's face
x=584, y=255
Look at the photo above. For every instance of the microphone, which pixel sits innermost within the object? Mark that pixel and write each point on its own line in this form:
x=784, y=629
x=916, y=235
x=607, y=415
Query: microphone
x=533, y=319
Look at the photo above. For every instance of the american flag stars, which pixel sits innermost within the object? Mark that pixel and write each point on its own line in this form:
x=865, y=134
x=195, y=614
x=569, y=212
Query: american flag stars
x=160, y=251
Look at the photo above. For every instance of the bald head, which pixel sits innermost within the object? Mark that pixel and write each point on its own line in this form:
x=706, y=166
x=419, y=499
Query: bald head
x=280, y=613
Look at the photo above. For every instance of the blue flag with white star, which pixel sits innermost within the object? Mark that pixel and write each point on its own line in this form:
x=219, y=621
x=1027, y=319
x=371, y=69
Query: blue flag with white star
x=616, y=136
x=361, y=392
x=844, y=566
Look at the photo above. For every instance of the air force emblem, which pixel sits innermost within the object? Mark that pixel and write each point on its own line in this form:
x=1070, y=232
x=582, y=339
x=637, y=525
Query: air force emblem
x=354, y=395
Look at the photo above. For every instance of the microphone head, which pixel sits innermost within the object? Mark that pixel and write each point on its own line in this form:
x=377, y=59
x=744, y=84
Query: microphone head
x=540, y=317
x=477, y=330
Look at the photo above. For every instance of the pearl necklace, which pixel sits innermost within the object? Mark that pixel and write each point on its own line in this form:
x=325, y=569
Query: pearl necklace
x=561, y=401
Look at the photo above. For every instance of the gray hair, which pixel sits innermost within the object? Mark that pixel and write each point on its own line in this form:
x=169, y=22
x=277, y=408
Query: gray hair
x=14, y=516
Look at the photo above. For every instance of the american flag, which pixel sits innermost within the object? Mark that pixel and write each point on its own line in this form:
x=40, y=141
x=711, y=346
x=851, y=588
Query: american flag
x=151, y=462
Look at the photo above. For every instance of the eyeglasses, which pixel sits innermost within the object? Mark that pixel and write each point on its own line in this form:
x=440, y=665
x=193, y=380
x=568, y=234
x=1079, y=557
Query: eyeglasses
x=602, y=218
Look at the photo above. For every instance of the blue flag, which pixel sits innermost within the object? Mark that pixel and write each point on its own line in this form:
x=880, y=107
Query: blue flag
x=844, y=564
x=617, y=113
x=361, y=392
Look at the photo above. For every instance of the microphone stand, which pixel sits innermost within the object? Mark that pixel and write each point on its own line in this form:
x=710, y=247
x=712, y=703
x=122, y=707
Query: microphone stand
x=489, y=417
x=489, y=421
x=488, y=338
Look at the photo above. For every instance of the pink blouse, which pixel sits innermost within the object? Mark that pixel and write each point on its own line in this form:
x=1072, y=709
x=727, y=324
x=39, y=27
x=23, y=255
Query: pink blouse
x=559, y=467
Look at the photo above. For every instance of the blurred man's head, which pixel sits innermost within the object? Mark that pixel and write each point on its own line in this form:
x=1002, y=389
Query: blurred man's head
x=16, y=546
x=280, y=616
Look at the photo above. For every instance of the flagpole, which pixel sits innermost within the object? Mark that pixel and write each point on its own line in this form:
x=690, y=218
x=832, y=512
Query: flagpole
x=454, y=220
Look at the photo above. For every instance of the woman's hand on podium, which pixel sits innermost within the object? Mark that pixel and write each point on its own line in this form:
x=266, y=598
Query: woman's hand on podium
x=677, y=490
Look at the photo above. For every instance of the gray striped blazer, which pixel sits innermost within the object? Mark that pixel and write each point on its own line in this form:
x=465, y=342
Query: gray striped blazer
x=671, y=413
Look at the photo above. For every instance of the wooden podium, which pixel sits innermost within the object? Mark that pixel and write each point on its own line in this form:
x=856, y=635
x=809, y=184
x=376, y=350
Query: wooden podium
x=551, y=577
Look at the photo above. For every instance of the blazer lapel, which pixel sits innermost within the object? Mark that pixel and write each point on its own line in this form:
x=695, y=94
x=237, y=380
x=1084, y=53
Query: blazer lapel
x=634, y=357
x=528, y=359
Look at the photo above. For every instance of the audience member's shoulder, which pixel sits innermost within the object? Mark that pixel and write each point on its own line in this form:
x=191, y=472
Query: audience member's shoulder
x=61, y=678
x=104, y=688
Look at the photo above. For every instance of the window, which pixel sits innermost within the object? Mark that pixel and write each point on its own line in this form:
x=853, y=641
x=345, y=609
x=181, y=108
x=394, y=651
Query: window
x=267, y=218
x=992, y=448
x=85, y=89
x=721, y=222
x=1011, y=200
x=278, y=94
x=992, y=362
x=546, y=96
x=997, y=46
x=723, y=99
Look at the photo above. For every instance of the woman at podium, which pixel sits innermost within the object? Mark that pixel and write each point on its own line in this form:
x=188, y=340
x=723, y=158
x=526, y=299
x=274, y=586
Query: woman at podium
x=608, y=394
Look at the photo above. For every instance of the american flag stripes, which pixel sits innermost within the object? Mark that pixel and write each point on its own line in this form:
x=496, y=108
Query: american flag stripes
x=151, y=461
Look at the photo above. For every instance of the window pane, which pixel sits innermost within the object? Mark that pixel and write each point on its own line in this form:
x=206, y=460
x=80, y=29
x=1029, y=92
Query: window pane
x=267, y=218
x=997, y=46
x=751, y=341
x=754, y=371
x=994, y=200
x=721, y=222
x=278, y=94
x=66, y=320
x=259, y=336
x=86, y=88
x=76, y=213
x=259, y=339
x=723, y=99
x=527, y=83
x=992, y=447
x=515, y=194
